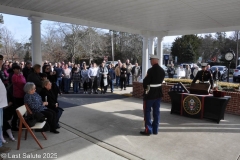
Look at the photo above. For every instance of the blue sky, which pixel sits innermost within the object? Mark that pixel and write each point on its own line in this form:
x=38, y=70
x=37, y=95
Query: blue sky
x=21, y=27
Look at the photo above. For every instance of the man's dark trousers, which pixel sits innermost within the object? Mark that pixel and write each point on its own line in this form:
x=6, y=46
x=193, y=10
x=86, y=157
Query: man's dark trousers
x=128, y=78
x=151, y=127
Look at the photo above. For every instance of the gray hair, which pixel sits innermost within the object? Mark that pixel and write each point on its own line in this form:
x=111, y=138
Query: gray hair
x=28, y=87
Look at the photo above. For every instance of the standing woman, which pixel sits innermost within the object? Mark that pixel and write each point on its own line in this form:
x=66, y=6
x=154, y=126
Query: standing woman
x=18, y=82
x=66, y=78
x=52, y=77
x=111, y=77
x=36, y=78
x=76, y=78
x=5, y=74
x=3, y=103
x=187, y=72
x=85, y=79
x=123, y=76
x=103, y=71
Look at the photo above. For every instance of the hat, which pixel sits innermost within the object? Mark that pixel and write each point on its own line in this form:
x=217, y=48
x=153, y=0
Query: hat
x=154, y=57
x=1, y=57
x=204, y=64
x=16, y=67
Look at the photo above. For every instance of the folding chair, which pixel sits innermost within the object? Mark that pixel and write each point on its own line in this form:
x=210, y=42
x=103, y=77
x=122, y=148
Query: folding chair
x=20, y=112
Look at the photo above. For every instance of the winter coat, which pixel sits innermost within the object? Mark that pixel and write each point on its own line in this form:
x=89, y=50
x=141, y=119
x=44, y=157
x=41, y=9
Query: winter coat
x=84, y=74
x=36, y=79
x=103, y=71
x=117, y=71
x=18, y=81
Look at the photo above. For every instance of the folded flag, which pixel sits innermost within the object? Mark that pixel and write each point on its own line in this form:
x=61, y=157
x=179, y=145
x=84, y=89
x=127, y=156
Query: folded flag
x=179, y=87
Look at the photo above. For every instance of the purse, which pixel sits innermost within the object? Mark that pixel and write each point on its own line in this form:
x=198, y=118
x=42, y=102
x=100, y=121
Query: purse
x=39, y=117
x=30, y=120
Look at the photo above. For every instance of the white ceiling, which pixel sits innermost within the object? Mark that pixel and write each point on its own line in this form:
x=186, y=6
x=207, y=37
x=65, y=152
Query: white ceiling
x=168, y=17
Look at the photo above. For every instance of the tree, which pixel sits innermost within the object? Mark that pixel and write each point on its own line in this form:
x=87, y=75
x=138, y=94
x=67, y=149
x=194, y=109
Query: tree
x=185, y=46
x=73, y=34
x=27, y=56
x=53, y=44
x=17, y=51
x=92, y=44
x=8, y=42
x=127, y=46
x=189, y=54
x=208, y=48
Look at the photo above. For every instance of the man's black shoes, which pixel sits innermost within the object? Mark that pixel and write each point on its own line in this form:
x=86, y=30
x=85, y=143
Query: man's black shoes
x=54, y=131
x=144, y=133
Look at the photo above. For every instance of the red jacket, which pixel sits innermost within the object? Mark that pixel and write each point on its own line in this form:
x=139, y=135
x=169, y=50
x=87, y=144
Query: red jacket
x=18, y=81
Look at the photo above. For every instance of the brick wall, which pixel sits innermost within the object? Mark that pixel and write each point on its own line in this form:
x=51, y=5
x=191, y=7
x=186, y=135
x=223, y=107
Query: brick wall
x=137, y=90
x=233, y=106
x=166, y=97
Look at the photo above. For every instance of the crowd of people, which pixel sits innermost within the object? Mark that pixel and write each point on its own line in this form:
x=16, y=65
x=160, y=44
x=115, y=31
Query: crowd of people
x=91, y=77
x=190, y=72
x=39, y=86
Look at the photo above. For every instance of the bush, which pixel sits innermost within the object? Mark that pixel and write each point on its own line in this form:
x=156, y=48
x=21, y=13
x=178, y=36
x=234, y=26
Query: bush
x=226, y=85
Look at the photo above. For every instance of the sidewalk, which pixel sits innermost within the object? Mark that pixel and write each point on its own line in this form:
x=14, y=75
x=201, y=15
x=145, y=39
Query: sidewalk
x=107, y=126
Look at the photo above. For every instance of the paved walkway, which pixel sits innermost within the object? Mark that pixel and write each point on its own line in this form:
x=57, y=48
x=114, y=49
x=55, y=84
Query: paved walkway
x=107, y=126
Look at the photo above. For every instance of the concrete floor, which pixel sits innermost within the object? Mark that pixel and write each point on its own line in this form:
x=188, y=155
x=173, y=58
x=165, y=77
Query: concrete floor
x=107, y=126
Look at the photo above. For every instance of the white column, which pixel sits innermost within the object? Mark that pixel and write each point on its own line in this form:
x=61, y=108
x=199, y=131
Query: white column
x=151, y=49
x=145, y=56
x=160, y=50
x=36, y=40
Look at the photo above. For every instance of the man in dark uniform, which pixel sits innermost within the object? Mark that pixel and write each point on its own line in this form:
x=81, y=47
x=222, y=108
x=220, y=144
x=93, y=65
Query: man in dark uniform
x=204, y=76
x=152, y=96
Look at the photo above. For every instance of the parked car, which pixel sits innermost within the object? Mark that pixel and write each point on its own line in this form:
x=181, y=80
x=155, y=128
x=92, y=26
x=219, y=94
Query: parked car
x=223, y=71
x=113, y=62
x=236, y=74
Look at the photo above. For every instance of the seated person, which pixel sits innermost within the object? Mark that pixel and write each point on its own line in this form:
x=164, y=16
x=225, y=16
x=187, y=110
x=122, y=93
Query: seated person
x=43, y=76
x=35, y=103
x=48, y=95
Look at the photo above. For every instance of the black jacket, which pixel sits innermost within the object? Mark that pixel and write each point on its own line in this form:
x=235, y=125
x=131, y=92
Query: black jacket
x=51, y=99
x=155, y=75
x=171, y=71
x=203, y=76
x=123, y=72
x=26, y=71
x=133, y=70
x=36, y=79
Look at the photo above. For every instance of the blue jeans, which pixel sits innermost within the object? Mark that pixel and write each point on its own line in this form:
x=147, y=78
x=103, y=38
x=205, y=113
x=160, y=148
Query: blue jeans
x=128, y=78
x=1, y=124
x=117, y=81
x=75, y=87
x=111, y=84
x=66, y=84
x=151, y=127
x=59, y=83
